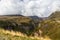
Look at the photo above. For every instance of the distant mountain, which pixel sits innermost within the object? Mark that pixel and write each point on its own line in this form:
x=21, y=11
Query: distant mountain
x=33, y=17
x=13, y=15
x=37, y=19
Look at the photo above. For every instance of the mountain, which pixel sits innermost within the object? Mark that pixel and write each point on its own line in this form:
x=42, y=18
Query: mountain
x=32, y=26
x=51, y=26
x=55, y=14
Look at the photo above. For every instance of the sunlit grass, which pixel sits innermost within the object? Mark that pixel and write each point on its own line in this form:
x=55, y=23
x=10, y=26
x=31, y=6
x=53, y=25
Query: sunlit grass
x=11, y=35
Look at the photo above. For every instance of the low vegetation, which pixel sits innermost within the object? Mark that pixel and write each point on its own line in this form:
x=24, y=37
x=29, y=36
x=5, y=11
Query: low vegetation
x=25, y=28
x=51, y=26
x=18, y=25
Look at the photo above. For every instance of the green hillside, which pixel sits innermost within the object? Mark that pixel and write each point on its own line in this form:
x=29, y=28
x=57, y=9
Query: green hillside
x=51, y=26
x=17, y=28
x=26, y=28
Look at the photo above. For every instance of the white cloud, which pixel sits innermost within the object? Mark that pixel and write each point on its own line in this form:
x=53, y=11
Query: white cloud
x=40, y=8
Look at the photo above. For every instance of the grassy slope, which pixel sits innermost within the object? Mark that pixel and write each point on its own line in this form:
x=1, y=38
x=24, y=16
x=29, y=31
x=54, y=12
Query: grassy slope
x=10, y=27
x=51, y=26
x=11, y=35
x=16, y=23
x=7, y=35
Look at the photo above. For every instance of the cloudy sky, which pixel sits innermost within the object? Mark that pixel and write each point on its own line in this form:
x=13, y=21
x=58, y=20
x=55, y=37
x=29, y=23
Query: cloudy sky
x=40, y=8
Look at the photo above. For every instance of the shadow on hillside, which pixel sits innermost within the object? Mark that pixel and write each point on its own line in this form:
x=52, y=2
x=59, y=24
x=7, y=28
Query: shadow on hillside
x=26, y=28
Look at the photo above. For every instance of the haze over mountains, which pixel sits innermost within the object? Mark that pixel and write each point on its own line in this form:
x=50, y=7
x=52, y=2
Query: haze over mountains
x=40, y=8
